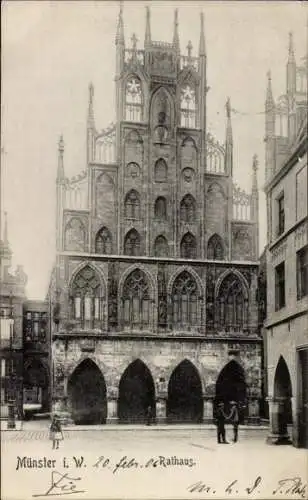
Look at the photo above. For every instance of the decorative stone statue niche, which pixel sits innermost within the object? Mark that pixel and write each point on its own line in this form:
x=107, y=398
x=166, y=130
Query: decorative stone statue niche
x=161, y=117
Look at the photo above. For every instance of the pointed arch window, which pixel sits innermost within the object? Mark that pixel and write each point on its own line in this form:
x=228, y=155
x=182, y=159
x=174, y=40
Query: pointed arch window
x=75, y=235
x=233, y=303
x=86, y=298
x=132, y=205
x=188, y=107
x=188, y=209
x=133, y=100
x=161, y=248
x=188, y=246
x=185, y=300
x=160, y=208
x=132, y=243
x=215, y=249
x=136, y=300
x=160, y=170
x=103, y=241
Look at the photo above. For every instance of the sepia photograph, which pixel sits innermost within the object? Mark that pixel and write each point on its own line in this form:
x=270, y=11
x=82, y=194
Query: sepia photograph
x=154, y=250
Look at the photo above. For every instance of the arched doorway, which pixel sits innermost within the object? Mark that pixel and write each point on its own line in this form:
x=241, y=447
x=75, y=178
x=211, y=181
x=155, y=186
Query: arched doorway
x=185, y=402
x=231, y=386
x=35, y=387
x=87, y=394
x=282, y=395
x=136, y=393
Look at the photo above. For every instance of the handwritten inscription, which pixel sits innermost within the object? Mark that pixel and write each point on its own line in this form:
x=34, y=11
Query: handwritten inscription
x=61, y=484
x=287, y=487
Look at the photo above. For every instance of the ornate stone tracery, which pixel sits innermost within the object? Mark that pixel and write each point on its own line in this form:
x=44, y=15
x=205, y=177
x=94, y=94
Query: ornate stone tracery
x=86, y=294
x=133, y=99
x=103, y=241
x=136, y=299
x=185, y=300
x=232, y=303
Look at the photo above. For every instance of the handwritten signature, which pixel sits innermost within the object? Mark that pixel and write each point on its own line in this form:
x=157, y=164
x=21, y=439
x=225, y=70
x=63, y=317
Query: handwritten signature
x=61, y=484
x=287, y=486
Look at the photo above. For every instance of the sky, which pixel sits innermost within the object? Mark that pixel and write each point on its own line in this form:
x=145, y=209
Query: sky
x=52, y=50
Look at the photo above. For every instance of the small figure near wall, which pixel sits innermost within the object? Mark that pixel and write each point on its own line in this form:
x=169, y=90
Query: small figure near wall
x=56, y=434
x=149, y=415
x=234, y=419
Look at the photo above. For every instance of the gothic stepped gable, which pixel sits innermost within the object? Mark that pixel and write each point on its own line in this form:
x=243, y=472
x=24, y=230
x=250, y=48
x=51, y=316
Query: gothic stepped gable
x=156, y=278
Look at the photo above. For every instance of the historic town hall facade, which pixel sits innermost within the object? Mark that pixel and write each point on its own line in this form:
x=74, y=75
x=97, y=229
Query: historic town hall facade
x=154, y=292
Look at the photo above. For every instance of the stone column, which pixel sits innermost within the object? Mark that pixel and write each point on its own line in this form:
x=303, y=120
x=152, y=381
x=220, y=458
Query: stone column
x=112, y=411
x=112, y=406
x=253, y=411
x=278, y=425
x=161, y=409
x=208, y=409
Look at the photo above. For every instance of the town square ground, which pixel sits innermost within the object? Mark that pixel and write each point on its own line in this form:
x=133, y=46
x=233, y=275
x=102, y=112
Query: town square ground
x=184, y=461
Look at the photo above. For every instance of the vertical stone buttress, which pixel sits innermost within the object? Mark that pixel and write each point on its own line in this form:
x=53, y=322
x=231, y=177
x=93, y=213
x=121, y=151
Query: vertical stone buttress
x=120, y=94
x=229, y=172
x=254, y=216
x=291, y=90
x=202, y=126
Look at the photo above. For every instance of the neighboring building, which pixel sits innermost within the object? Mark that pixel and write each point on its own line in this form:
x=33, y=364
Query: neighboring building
x=287, y=256
x=12, y=296
x=36, y=373
x=154, y=291
x=262, y=299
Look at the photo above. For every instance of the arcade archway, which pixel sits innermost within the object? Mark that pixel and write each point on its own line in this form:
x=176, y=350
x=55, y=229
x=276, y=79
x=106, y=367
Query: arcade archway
x=136, y=394
x=87, y=394
x=231, y=386
x=185, y=402
x=283, y=394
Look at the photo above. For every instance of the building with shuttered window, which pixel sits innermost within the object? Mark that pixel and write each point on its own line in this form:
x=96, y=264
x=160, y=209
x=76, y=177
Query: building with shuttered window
x=287, y=256
x=12, y=297
x=154, y=291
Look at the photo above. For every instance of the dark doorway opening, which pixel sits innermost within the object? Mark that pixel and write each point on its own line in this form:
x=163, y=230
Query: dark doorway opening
x=283, y=393
x=87, y=394
x=136, y=394
x=35, y=388
x=303, y=398
x=185, y=403
x=231, y=386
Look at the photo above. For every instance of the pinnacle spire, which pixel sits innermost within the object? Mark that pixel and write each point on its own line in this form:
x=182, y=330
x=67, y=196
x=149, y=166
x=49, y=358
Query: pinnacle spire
x=202, y=38
x=269, y=92
x=120, y=27
x=60, y=173
x=5, y=234
x=229, y=124
x=148, y=27
x=291, y=48
x=176, y=39
x=255, y=165
x=91, y=123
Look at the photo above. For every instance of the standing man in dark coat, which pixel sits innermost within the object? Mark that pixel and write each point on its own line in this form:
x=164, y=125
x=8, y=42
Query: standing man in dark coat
x=234, y=419
x=220, y=420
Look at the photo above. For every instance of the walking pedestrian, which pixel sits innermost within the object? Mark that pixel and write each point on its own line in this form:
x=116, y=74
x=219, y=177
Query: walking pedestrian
x=234, y=419
x=220, y=422
x=56, y=434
